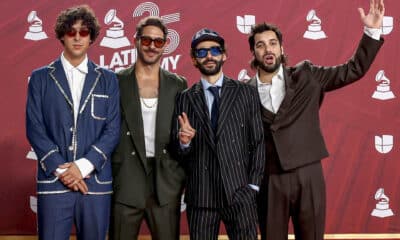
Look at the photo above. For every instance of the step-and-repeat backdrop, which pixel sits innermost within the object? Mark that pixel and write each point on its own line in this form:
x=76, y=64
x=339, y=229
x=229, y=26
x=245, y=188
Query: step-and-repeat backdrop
x=360, y=122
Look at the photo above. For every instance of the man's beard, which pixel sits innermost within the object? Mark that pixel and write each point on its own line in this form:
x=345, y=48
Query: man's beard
x=142, y=57
x=270, y=68
x=208, y=71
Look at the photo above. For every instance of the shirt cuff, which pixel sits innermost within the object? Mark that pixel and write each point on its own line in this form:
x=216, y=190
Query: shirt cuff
x=59, y=171
x=374, y=33
x=85, y=166
x=254, y=187
x=184, y=146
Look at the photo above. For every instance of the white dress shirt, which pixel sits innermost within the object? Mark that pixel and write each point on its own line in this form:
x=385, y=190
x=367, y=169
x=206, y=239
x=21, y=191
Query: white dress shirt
x=272, y=94
x=149, y=114
x=76, y=79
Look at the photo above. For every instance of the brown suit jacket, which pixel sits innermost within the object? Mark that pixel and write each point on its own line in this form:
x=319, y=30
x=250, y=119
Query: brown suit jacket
x=295, y=128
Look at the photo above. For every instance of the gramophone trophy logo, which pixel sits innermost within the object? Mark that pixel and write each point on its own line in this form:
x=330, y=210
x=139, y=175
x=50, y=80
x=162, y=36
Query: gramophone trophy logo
x=382, y=91
x=115, y=37
x=35, y=32
x=31, y=155
x=314, y=29
x=243, y=76
x=382, y=208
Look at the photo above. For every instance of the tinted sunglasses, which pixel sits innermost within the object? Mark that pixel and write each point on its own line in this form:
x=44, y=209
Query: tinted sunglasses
x=82, y=32
x=146, y=41
x=202, y=52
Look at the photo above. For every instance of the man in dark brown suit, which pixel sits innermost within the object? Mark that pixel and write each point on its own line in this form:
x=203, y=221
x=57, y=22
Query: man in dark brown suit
x=220, y=142
x=293, y=184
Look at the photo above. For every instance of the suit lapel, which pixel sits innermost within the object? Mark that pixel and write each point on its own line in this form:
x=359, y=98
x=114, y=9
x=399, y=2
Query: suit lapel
x=285, y=106
x=229, y=93
x=166, y=92
x=130, y=103
x=58, y=75
x=197, y=99
x=253, y=82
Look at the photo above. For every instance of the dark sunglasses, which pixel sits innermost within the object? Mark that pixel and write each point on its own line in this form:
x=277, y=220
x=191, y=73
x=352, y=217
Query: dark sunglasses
x=146, y=41
x=202, y=52
x=82, y=32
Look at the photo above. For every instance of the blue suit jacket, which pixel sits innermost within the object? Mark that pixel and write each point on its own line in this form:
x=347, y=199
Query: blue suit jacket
x=51, y=131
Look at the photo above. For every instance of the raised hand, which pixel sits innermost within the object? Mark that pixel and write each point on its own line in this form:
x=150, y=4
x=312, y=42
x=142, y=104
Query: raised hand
x=186, y=132
x=375, y=15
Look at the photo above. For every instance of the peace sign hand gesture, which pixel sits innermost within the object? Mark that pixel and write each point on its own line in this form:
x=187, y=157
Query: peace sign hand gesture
x=186, y=132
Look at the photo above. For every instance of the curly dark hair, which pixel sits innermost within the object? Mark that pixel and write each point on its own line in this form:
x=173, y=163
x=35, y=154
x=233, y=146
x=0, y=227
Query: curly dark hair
x=68, y=17
x=260, y=28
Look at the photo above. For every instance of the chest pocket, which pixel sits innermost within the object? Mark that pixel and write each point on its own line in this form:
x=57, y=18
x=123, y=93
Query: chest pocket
x=99, y=105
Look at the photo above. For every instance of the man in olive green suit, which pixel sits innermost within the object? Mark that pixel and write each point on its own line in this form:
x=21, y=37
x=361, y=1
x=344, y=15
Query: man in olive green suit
x=148, y=182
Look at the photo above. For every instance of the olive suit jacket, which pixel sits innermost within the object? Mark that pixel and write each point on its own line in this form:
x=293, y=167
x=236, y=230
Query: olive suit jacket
x=129, y=163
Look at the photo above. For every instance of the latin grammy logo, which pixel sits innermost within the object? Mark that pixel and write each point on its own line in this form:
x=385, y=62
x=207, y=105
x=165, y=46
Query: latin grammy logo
x=115, y=37
x=384, y=144
x=35, y=31
x=382, y=91
x=242, y=76
x=382, y=209
x=314, y=29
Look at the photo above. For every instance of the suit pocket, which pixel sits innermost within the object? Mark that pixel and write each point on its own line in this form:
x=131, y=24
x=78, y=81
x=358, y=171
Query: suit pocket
x=99, y=104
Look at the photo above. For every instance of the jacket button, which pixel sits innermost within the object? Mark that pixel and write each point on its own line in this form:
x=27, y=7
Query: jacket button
x=205, y=168
x=164, y=151
x=71, y=148
x=128, y=133
x=71, y=129
x=133, y=153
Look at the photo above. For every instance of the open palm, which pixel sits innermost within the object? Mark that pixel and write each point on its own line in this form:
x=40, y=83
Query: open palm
x=375, y=15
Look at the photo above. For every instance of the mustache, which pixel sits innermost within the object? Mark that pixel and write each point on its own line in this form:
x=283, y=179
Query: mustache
x=152, y=51
x=269, y=53
x=210, y=61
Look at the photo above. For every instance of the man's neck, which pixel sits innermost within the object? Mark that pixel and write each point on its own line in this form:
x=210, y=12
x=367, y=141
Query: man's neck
x=74, y=61
x=266, y=77
x=212, y=79
x=148, y=72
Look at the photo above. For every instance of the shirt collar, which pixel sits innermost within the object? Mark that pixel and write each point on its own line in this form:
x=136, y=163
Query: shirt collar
x=82, y=67
x=278, y=75
x=218, y=83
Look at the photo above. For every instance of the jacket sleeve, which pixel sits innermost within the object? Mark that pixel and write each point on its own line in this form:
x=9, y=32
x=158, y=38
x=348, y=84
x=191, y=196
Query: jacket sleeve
x=101, y=150
x=174, y=147
x=338, y=76
x=47, y=151
x=256, y=140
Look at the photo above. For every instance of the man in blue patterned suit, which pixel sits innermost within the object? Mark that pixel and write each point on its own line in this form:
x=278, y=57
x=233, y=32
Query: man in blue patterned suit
x=72, y=123
x=219, y=140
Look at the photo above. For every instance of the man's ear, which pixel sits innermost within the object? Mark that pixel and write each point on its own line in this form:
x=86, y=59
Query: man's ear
x=194, y=62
